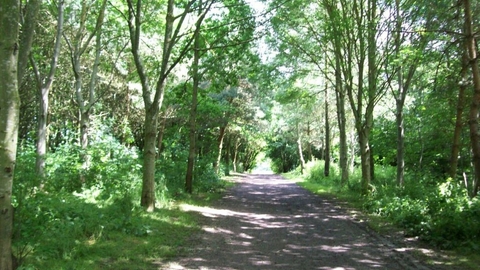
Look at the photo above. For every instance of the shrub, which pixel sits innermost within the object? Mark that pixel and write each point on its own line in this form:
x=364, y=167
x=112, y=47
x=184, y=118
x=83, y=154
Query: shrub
x=443, y=215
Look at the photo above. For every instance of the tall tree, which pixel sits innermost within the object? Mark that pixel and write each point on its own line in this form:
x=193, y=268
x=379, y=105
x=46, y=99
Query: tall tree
x=471, y=47
x=357, y=54
x=78, y=45
x=459, y=119
x=197, y=76
x=44, y=84
x=153, y=97
x=9, y=117
x=406, y=55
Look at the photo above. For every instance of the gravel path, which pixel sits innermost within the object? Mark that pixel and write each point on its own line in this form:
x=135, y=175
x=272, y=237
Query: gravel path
x=267, y=222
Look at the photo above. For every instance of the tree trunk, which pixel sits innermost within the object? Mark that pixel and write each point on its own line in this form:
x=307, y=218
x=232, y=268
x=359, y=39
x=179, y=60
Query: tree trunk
x=326, y=170
x=300, y=151
x=459, y=115
x=227, y=157
x=475, y=106
x=161, y=132
x=26, y=36
x=365, y=160
x=149, y=154
x=221, y=137
x=193, y=108
x=43, y=89
x=342, y=126
x=340, y=91
x=372, y=88
x=41, y=145
x=235, y=154
x=170, y=39
x=77, y=49
x=9, y=121
x=399, y=102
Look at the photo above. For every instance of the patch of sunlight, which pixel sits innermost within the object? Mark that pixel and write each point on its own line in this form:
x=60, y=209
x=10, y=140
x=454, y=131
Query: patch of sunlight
x=175, y=266
x=217, y=230
x=212, y=212
x=338, y=249
x=421, y=250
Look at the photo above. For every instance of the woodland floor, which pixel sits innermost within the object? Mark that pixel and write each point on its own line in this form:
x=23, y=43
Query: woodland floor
x=267, y=222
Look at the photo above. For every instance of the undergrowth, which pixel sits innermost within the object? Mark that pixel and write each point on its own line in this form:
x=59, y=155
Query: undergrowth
x=439, y=211
x=89, y=217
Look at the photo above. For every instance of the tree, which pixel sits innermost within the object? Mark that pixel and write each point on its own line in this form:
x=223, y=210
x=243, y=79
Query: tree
x=232, y=31
x=302, y=39
x=44, y=84
x=9, y=117
x=471, y=47
x=356, y=50
x=202, y=11
x=153, y=98
x=410, y=54
x=78, y=45
x=326, y=170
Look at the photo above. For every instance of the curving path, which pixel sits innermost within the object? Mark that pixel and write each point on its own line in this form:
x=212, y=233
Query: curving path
x=267, y=222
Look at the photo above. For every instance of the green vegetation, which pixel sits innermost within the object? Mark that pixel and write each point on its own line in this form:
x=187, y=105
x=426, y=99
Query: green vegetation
x=99, y=224
x=441, y=214
x=112, y=108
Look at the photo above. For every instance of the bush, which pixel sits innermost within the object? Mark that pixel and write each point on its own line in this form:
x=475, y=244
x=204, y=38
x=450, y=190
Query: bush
x=443, y=215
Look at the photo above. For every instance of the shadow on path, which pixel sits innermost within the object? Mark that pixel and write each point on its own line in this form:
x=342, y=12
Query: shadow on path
x=267, y=222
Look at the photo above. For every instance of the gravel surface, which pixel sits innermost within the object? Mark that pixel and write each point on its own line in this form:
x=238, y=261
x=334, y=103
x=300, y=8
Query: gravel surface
x=267, y=222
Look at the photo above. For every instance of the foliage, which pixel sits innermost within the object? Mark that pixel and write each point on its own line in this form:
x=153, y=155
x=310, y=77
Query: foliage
x=65, y=231
x=283, y=154
x=442, y=214
x=64, y=219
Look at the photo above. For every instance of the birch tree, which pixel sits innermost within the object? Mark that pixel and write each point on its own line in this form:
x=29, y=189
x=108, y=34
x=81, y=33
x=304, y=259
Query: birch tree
x=9, y=117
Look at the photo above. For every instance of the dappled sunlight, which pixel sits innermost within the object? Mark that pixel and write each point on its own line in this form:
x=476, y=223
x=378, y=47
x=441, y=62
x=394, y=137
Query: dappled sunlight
x=268, y=222
x=212, y=212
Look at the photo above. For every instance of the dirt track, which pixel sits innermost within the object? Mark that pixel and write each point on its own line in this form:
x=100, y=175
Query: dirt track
x=267, y=222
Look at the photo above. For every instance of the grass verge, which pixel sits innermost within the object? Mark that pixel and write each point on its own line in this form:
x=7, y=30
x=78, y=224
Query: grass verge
x=80, y=235
x=460, y=257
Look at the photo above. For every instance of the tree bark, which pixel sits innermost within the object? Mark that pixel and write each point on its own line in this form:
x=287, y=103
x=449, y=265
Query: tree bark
x=9, y=121
x=161, y=132
x=399, y=102
x=475, y=106
x=149, y=154
x=372, y=92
